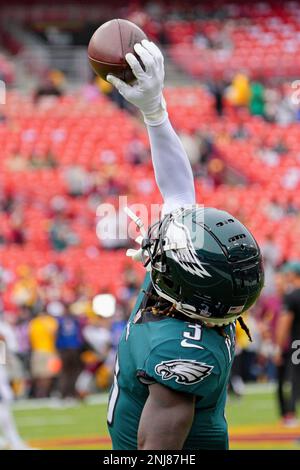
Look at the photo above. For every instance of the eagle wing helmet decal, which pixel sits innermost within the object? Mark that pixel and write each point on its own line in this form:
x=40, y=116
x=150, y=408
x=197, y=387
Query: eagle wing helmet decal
x=186, y=255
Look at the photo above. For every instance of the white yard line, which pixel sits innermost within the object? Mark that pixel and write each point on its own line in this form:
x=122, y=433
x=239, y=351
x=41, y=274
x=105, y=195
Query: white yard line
x=36, y=404
x=256, y=389
x=34, y=421
x=102, y=399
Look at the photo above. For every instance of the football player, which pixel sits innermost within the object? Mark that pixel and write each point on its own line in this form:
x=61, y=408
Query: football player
x=205, y=270
x=12, y=440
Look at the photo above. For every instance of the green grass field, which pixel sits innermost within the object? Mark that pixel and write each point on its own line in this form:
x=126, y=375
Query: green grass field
x=253, y=423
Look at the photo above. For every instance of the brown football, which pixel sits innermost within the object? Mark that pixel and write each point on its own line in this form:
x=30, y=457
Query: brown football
x=109, y=45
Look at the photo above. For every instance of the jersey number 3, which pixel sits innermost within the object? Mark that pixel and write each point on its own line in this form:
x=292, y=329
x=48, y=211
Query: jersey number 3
x=191, y=338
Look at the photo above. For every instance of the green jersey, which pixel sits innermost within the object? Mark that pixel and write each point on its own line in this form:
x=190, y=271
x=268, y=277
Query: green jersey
x=182, y=355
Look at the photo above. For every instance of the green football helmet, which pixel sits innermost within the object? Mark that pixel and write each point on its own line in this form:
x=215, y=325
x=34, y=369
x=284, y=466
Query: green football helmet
x=205, y=262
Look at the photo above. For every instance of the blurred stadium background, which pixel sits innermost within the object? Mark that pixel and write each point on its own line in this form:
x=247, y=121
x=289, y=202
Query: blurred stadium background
x=69, y=143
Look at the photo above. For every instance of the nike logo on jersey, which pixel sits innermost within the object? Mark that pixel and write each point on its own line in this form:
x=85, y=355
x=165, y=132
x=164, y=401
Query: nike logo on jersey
x=185, y=344
x=184, y=371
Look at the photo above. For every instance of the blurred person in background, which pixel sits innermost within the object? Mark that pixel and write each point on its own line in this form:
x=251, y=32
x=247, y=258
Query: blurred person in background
x=287, y=332
x=251, y=368
x=271, y=256
x=250, y=361
x=239, y=91
x=17, y=232
x=99, y=357
x=267, y=315
x=257, y=99
x=270, y=310
x=21, y=329
x=61, y=235
x=44, y=360
x=217, y=89
x=25, y=290
x=49, y=87
x=69, y=343
x=285, y=110
x=39, y=160
x=12, y=439
x=77, y=180
x=7, y=200
x=130, y=286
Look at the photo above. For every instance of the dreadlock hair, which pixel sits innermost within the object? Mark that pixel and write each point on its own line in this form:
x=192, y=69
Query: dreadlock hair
x=164, y=308
x=160, y=306
x=243, y=325
x=244, y=328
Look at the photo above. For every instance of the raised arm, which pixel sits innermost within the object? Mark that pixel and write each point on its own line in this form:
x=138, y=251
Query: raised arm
x=172, y=168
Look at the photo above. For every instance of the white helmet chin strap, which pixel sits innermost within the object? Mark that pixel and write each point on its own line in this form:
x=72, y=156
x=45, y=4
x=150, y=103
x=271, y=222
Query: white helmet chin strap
x=188, y=310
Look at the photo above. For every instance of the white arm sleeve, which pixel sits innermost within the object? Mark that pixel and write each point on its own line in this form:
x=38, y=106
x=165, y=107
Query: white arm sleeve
x=173, y=172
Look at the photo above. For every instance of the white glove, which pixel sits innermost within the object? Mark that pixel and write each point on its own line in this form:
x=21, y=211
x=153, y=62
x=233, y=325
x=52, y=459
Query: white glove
x=146, y=91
